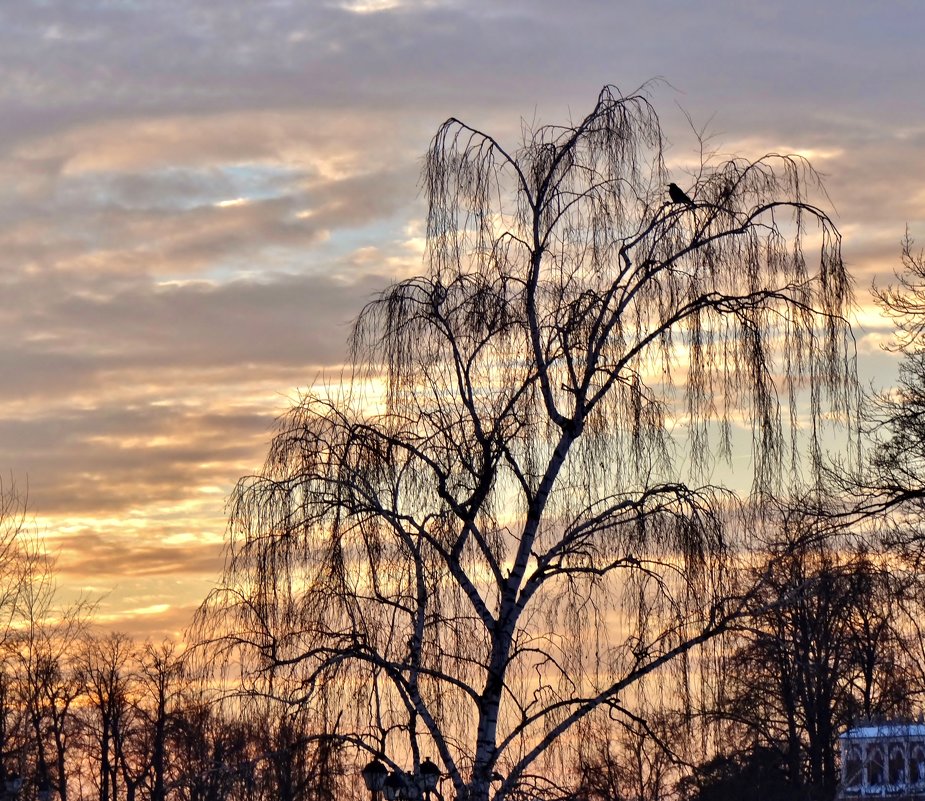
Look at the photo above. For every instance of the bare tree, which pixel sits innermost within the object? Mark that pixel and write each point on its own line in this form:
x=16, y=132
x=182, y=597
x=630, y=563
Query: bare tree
x=516, y=530
x=826, y=647
x=14, y=570
x=106, y=665
x=214, y=751
x=896, y=467
x=163, y=680
x=43, y=650
x=132, y=748
x=628, y=762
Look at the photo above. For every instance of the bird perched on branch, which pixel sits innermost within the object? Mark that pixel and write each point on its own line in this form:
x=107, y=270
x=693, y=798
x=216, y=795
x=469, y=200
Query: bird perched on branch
x=677, y=195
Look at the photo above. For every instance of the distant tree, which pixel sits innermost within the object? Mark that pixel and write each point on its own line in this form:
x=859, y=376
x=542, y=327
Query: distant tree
x=162, y=684
x=132, y=741
x=106, y=665
x=14, y=571
x=896, y=468
x=516, y=530
x=628, y=761
x=301, y=763
x=43, y=652
x=827, y=646
x=214, y=752
x=757, y=772
x=14, y=528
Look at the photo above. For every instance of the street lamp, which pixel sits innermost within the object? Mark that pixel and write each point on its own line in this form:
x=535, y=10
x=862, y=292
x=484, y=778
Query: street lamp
x=399, y=785
x=398, y=788
x=428, y=777
x=374, y=775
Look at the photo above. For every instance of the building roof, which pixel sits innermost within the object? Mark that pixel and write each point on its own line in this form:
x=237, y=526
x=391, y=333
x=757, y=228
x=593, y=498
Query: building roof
x=878, y=730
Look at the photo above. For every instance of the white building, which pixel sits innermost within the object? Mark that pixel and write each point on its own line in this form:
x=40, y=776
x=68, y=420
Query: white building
x=885, y=759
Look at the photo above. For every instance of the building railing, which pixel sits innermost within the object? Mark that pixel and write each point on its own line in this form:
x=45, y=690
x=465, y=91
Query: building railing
x=909, y=788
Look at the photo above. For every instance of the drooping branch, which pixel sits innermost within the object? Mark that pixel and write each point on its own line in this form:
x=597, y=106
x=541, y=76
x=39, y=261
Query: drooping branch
x=495, y=528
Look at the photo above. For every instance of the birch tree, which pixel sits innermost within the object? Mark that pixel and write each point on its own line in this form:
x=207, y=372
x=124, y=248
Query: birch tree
x=502, y=522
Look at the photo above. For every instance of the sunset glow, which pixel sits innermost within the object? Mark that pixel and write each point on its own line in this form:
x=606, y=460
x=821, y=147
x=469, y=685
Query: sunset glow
x=197, y=199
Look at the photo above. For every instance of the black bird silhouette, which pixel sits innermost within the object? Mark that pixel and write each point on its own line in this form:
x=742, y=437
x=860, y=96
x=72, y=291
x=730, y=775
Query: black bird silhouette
x=677, y=195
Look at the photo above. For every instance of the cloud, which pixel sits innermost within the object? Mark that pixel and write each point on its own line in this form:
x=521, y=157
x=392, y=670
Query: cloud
x=271, y=319
x=196, y=199
x=89, y=553
x=154, y=621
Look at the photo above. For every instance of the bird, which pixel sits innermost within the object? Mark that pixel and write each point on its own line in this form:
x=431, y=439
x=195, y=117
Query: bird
x=677, y=195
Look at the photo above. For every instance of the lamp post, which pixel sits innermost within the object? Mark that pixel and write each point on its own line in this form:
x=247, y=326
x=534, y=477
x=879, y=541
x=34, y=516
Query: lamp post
x=428, y=777
x=374, y=774
x=399, y=785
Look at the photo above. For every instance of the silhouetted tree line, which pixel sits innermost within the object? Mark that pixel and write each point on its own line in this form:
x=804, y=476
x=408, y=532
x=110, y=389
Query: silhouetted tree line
x=832, y=641
x=90, y=715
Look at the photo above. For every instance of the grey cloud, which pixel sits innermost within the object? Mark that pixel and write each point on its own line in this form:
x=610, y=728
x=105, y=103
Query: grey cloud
x=201, y=56
x=87, y=553
x=148, y=337
x=172, y=623
x=170, y=224
x=282, y=320
x=152, y=364
x=115, y=615
x=109, y=460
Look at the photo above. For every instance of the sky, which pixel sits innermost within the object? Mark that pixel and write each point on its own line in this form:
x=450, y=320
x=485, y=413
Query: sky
x=198, y=196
